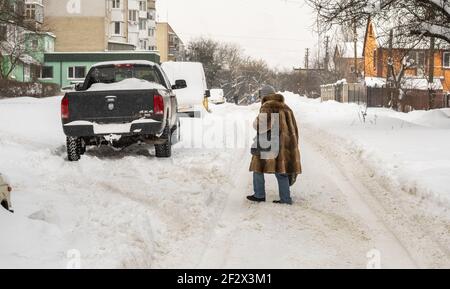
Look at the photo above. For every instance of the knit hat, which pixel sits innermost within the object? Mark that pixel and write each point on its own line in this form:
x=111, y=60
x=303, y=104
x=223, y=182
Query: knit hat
x=266, y=90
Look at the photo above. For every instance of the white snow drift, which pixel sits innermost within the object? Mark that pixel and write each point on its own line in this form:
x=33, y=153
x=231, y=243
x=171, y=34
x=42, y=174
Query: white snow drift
x=374, y=186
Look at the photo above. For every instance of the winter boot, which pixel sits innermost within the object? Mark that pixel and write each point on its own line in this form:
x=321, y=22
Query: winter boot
x=255, y=199
x=281, y=203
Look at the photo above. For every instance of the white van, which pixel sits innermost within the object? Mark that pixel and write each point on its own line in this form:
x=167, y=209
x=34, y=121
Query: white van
x=192, y=100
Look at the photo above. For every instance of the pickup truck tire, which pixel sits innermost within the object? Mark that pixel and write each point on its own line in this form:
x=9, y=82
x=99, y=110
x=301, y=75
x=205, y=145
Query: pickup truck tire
x=73, y=149
x=165, y=150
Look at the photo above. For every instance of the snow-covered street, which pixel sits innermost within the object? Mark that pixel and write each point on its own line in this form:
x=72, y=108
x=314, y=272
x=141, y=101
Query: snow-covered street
x=369, y=190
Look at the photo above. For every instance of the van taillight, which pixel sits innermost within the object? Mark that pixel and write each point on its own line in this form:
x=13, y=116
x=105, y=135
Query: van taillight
x=65, y=107
x=158, y=104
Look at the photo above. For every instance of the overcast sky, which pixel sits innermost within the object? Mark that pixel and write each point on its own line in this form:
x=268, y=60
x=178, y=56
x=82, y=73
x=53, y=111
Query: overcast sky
x=277, y=31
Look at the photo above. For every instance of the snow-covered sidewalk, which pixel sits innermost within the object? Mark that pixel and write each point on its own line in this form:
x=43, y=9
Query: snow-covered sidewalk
x=377, y=186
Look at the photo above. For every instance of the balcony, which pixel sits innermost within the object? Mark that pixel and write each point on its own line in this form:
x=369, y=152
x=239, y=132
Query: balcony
x=38, y=2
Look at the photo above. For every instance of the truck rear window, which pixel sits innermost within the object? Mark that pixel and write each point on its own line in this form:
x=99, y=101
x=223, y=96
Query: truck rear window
x=117, y=73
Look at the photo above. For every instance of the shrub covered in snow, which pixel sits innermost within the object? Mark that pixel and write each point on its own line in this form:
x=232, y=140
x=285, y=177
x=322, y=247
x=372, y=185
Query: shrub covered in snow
x=10, y=88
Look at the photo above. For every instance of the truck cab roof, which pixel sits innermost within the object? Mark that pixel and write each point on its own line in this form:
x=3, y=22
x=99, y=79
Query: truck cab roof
x=123, y=62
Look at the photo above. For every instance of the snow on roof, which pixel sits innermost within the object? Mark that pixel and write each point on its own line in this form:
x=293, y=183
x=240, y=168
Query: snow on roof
x=375, y=82
x=337, y=83
x=27, y=59
x=347, y=49
x=421, y=84
x=134, y=62
x=407, y=83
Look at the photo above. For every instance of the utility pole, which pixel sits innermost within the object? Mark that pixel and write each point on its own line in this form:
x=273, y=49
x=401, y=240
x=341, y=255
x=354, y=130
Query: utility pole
x=327, y=53
x=307, y=71
x=307, y=59
x=355, y=43
x=431, y=72
x=318, y=44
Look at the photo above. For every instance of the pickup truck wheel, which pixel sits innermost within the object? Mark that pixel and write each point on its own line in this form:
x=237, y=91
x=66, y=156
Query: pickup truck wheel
x=73, y=149
x=165, y=150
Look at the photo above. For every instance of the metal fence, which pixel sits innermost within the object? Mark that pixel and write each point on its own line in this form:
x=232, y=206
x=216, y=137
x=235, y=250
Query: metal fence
x=345, y=92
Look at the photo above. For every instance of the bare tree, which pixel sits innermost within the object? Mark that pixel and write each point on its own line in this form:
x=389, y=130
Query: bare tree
x=408, y=24
x=16, y=31
x=226, y=67
x=420, y=17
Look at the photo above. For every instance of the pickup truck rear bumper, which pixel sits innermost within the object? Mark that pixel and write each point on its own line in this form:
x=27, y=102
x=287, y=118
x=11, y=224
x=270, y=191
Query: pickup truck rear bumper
x=137, y=127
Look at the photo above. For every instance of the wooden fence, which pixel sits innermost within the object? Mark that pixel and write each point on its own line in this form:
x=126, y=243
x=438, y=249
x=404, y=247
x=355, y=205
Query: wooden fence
x=413, y=99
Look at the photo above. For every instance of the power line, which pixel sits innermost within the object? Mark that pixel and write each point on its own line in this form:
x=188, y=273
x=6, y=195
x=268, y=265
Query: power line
x=246, y=37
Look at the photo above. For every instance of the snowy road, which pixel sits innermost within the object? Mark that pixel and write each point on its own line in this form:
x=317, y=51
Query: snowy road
x=132, y=210
x=336, y=222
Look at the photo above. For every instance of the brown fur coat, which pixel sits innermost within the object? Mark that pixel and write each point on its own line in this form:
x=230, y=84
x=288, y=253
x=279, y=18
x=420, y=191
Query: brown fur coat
x=287, y=161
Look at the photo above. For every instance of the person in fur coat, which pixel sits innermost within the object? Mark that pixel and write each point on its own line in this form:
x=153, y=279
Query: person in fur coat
x=276, y=148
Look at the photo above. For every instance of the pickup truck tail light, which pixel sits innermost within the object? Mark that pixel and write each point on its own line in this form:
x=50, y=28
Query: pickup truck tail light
x=65, y=107
x=158, y=104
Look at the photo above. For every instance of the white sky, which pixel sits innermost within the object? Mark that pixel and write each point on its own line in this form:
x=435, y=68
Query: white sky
x=277, y=31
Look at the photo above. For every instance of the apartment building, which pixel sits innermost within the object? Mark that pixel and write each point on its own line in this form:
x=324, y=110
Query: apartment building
x=169, y=45
x=101, y=25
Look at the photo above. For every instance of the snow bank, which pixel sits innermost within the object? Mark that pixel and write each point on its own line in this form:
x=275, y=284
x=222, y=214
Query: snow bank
x=410, y=149
x=117, y=209
x=126, y=84
x=439, y=118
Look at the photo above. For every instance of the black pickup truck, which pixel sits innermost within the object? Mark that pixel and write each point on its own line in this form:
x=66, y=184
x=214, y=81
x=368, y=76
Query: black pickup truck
x=120, y=104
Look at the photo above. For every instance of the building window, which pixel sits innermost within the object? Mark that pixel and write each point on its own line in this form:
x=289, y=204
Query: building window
x=34, y=44
x=133, y=15
x=30, y=11
x=117, y=28
x=151, y=32
x=116, y=4
x=417, y=59
x=142, y=24
x=47, y=72
x=143, y=44
x=446, y=60
x=150, y=15
x=143, y=5
x=76, y=72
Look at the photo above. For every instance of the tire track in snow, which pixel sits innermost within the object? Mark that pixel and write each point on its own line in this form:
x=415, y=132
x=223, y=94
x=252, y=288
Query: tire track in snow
x=268, y=235
x=398, y=234
x=357, y=217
